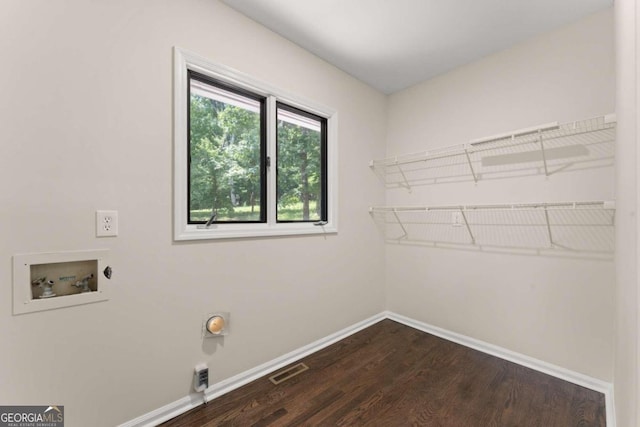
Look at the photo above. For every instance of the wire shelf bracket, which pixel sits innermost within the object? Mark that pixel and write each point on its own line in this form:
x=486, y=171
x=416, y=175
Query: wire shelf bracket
x=404, y=230
x=473, y=173
x=466, y=223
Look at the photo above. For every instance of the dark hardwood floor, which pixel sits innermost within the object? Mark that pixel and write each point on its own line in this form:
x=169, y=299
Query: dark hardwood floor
x=393, y=375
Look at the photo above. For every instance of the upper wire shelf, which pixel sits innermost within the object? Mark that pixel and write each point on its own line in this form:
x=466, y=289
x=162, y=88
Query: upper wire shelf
x=548, y=148
x=579, y=226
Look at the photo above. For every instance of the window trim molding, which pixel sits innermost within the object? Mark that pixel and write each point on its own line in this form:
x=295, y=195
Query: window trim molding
x=182, y=62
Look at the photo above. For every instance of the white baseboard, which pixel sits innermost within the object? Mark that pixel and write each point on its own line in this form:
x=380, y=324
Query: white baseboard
x=183, y=405
x=166, y=412
x=521, y=359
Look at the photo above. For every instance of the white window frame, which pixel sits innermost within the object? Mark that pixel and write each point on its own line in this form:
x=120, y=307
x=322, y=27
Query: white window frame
x=184, y=61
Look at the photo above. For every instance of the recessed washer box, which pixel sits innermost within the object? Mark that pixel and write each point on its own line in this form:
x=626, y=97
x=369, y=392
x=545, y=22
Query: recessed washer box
x=46, y=281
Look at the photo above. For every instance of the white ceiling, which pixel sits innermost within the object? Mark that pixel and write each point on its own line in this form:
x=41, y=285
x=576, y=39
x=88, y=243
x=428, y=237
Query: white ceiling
x=393, y=44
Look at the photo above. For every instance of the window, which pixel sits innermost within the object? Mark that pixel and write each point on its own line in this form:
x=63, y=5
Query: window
x=226, y=153
x=250, y=160
x=302, y=160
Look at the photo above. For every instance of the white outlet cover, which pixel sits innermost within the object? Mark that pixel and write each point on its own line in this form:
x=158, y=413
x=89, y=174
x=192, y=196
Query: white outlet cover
x=106, y=223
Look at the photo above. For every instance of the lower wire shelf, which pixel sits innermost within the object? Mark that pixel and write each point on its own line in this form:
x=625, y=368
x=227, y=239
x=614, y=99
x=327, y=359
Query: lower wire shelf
x=578, y=226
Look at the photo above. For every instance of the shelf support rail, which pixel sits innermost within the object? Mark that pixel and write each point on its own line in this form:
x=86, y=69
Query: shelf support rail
x=466, y=223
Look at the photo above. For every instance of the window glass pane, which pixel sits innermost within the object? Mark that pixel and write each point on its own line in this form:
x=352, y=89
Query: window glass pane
x=301, y=174
x=226, y=151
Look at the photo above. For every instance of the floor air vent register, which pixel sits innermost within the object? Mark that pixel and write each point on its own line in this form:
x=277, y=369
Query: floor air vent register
x=288, y=373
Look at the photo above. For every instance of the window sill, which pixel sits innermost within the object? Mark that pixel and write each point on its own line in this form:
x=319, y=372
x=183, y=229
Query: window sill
x=244, y=231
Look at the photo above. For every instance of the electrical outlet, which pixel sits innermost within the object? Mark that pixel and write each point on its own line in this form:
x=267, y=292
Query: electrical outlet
x=106, y=223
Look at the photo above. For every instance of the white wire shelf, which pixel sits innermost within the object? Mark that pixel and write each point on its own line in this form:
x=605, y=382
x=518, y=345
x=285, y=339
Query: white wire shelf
x=546, y=149
x=581, y=226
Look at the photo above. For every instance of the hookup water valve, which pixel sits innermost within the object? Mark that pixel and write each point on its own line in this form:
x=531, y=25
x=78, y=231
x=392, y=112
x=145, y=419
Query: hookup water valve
x=45, y=285
x=83, y=283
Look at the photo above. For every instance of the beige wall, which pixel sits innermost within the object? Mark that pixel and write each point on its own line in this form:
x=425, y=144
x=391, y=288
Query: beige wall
x=559, y=310
x=86, y=106
x=86, y=111
x=626, y=374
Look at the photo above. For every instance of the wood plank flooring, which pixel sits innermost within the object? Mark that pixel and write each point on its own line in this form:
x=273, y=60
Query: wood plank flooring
x=393, y=375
